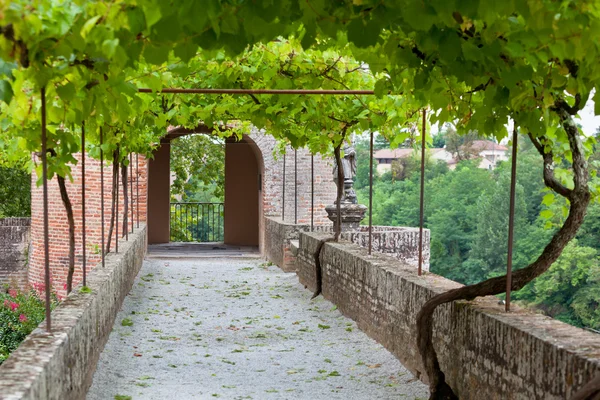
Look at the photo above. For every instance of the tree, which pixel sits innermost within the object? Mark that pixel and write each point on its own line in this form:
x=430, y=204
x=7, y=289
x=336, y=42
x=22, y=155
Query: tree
x=565, y=291
x=461, y=146
x=199, y=163
x=15, y=192
x=452, y=216
x=439, y=140
x=380, y=143
x=491, y=236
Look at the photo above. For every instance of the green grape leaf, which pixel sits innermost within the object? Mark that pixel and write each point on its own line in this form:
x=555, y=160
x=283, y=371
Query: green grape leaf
x=548, y=199
x=363, y=34
x=156, y=55
x=89, y=24
x=6, y=92
x=66, y=92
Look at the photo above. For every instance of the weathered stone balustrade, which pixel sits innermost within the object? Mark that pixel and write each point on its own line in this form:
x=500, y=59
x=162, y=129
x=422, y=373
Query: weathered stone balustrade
x=399, y=242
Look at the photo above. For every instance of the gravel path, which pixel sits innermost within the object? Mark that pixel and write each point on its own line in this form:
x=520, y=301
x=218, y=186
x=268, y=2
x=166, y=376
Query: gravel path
x=239, y=329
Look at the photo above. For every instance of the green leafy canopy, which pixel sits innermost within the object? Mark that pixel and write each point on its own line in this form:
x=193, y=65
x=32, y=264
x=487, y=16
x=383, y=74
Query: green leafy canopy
x=475, y=63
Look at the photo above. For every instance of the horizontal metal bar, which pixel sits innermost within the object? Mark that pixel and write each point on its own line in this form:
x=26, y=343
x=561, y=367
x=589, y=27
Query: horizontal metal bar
x=261, y=91
x=194, y=203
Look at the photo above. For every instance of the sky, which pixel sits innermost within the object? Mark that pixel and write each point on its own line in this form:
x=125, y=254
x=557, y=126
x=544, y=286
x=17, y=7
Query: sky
x=588, y=120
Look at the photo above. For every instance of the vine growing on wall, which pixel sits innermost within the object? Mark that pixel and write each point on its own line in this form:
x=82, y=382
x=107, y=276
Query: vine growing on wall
x=477, y=64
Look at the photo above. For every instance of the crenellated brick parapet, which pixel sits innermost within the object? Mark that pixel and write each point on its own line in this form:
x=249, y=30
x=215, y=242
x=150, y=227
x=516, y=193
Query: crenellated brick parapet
x=399, y=242
x=402, y=243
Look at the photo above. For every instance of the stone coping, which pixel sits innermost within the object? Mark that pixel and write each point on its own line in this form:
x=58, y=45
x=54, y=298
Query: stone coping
x=484, y=352
x=60, y=364
x=294, y=246
x=15, y=221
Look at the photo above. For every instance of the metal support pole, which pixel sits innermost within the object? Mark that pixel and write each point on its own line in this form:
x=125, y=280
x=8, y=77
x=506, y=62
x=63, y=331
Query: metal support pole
x=371, y=193
x=83, y=242
x=312, y=192
x=102, y=197
x=131, y=188
x=137, y=188
x=283, y=194
x=422, y=195
x=45, y=201
x=125, y=204
x=260, y=91
x=117, y=207
x=511, y=218
x=295, y=186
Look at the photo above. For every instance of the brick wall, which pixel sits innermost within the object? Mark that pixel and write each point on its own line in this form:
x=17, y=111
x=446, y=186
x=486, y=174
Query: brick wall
x=278, y=235
x=272, y=189
x=58, y=226
x=14, y=249
x=324, y=188
x=484, y=352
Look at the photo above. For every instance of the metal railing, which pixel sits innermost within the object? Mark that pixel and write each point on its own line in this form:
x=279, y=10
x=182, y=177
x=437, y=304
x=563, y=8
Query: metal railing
x=197, y=222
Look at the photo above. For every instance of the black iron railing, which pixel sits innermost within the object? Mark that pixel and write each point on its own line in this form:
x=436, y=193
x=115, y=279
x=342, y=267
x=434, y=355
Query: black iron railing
x=197, y=222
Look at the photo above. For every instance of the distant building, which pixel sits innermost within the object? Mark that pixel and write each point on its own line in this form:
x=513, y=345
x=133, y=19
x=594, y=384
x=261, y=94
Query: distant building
x=487, y=151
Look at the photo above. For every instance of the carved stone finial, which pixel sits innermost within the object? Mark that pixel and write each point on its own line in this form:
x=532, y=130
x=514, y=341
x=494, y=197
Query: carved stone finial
x=351, y=212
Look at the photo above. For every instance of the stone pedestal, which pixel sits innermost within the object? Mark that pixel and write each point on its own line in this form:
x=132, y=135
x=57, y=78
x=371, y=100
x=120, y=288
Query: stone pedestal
x=352, y=214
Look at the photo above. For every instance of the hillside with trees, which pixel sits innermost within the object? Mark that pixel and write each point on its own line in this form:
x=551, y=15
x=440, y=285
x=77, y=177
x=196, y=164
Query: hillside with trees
x=466, y=210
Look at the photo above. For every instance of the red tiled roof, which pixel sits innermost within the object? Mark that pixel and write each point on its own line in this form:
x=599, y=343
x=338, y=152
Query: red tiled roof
x=401, y=153
x=481, y=145
x=393, y=154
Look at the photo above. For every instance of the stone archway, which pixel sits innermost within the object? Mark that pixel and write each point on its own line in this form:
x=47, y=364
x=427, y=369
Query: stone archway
x=244, y=172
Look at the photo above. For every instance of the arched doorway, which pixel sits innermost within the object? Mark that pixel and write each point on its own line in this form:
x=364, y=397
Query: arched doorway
x=243, y=190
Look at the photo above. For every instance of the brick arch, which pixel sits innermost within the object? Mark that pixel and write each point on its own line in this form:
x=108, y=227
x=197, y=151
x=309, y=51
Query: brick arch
x=243, y=196
x=270, y=169
x=271, y=201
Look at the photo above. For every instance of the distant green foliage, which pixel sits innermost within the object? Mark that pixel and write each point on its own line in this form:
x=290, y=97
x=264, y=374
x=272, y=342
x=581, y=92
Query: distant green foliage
x=467, y=213
x=570, y=290
x=15, y=192
x=198, y=162
x=197, y=224
x=20, y=313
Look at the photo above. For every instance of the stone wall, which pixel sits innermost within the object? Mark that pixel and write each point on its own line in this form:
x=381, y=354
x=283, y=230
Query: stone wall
x=278, y=236
x=14, y=251
x=398, y=242
x=484, y=352
x=60, y=365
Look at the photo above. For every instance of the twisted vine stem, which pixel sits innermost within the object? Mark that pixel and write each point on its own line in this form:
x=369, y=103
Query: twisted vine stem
x=579, y=198
x=338, y=223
